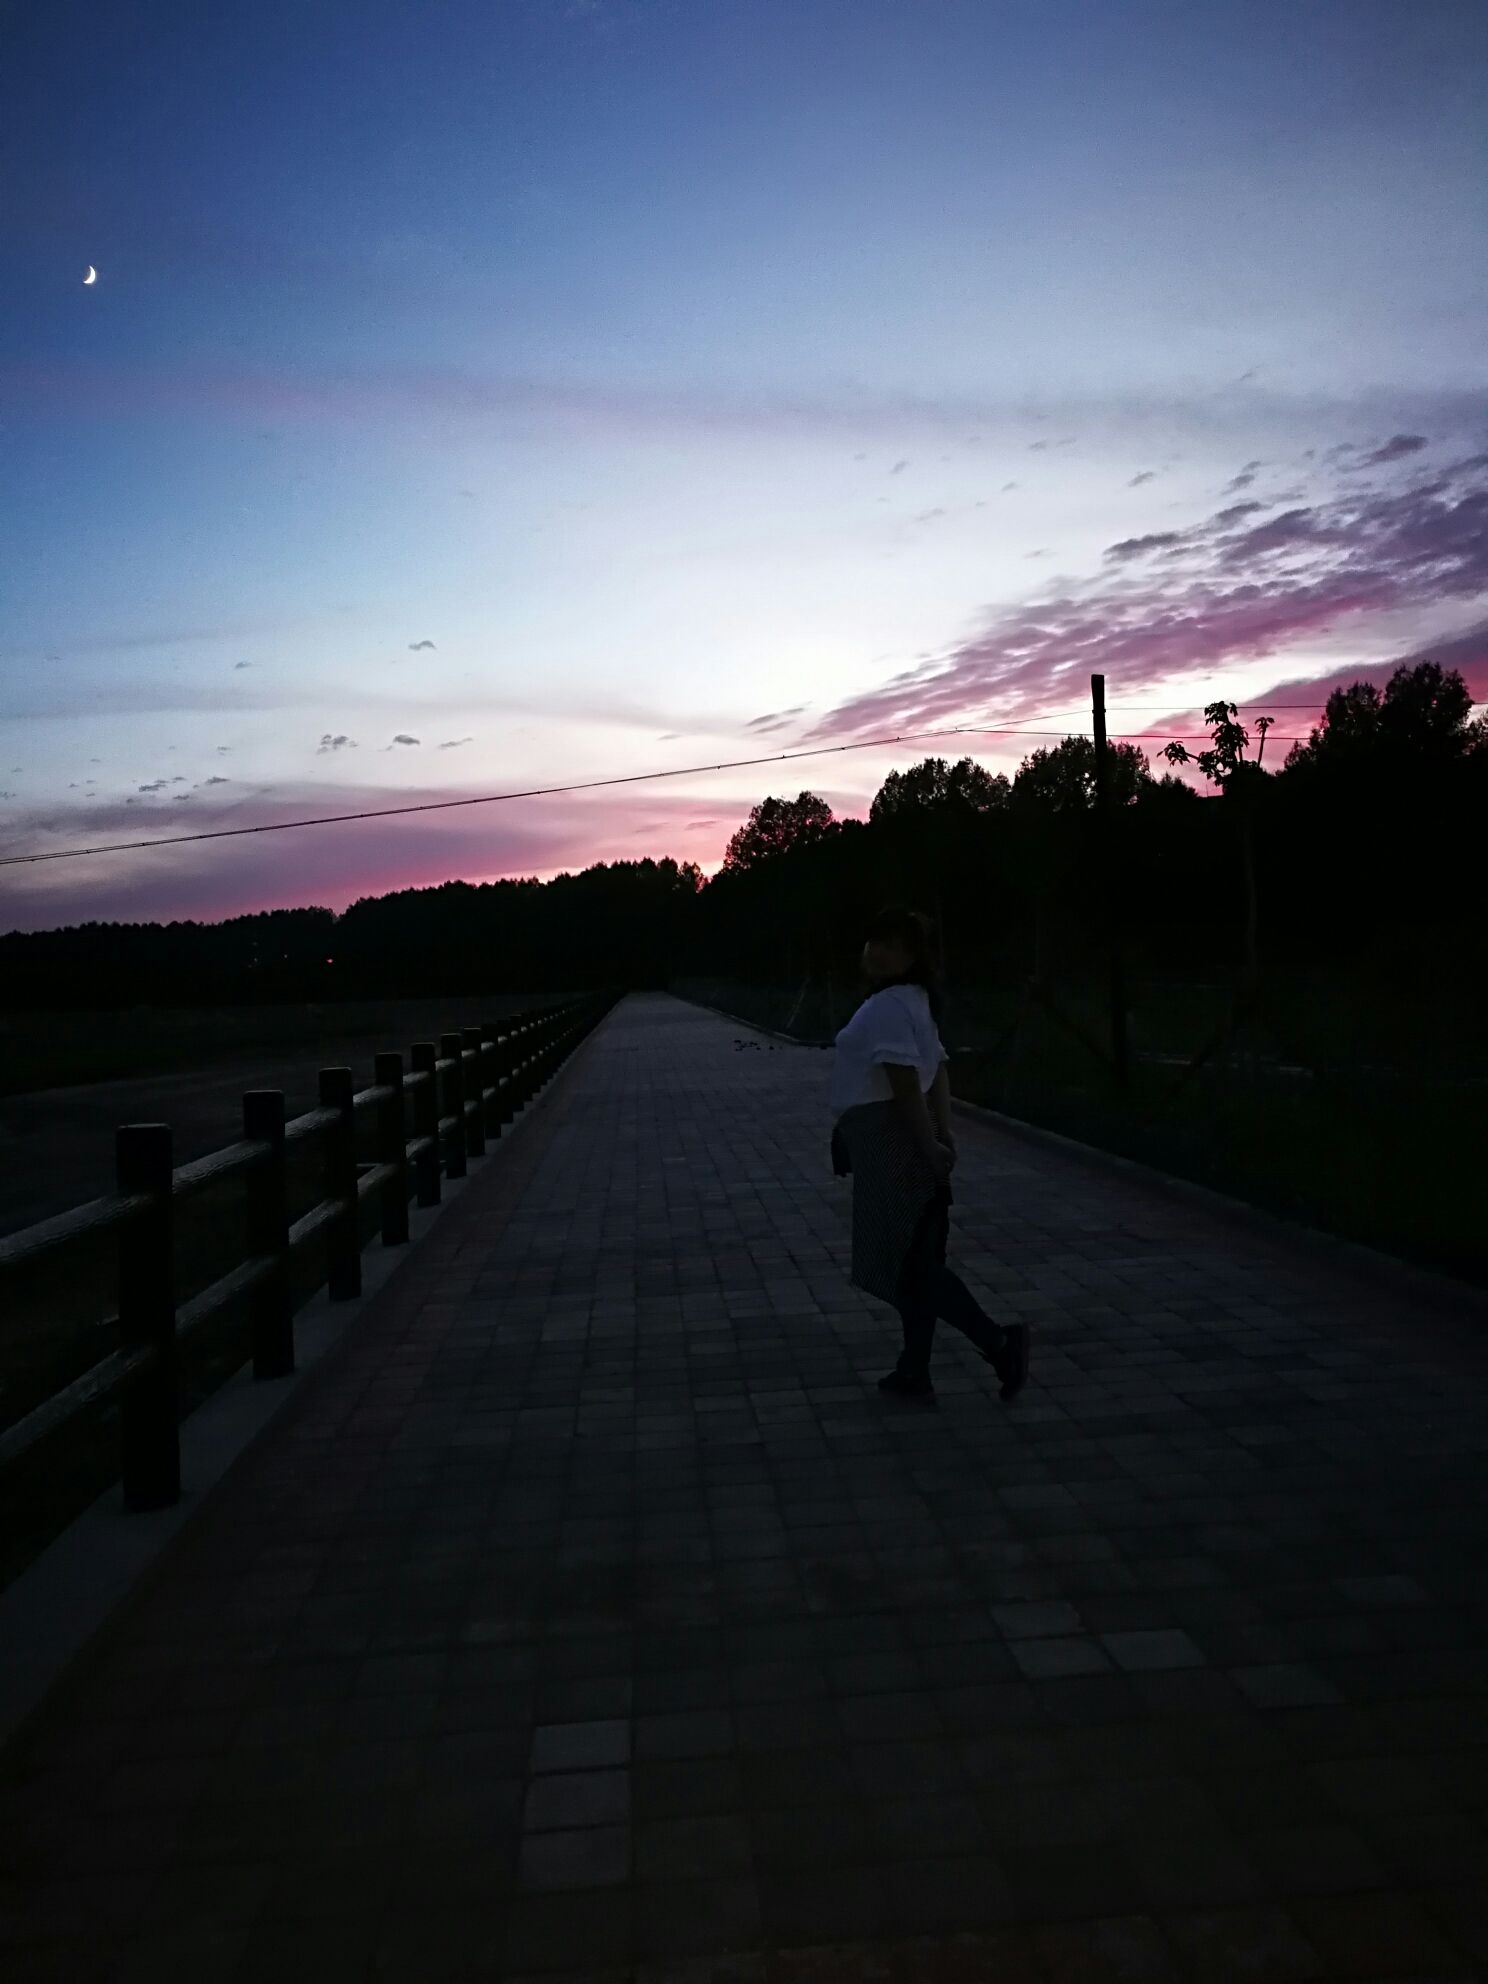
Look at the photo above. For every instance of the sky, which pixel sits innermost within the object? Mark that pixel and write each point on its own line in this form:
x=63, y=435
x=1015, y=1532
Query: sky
x=480, y=395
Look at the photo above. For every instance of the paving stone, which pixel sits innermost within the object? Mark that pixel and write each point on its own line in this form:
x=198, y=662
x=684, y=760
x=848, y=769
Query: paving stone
x=592, y=1857
x=576, y=1798
x=1044, y=1660
x=580, y=1745
x=694, y=1848
x=688, y=1918
x=1152, y=1650
x=1285, y=1685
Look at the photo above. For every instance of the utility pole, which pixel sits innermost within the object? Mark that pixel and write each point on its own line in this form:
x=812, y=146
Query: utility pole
x=1106, y=827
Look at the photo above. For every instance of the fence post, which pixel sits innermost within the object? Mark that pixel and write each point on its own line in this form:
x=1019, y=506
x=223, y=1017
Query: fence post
x=425, y=1057
x=150, y=1438
x=475, y=1087
x=270, y=1309
x=450, y=1047
x=491, y=1043
x=339, y=1181
x=392, y=1148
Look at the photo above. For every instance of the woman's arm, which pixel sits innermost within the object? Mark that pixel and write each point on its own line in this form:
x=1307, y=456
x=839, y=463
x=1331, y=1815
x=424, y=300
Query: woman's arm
x=939, y=1100
x=911, y=1098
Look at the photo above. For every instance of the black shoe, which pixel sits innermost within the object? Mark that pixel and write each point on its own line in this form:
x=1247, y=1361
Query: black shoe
x=1010, y=1359
x=906, y=1387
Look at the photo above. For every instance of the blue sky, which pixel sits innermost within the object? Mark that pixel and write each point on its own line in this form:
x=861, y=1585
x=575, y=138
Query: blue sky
x=699, y=378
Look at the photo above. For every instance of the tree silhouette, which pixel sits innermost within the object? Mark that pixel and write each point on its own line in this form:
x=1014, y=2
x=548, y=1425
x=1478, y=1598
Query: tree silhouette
x=775, y=827
x=933, y=784
x=1062, y=780
x=1422, y=718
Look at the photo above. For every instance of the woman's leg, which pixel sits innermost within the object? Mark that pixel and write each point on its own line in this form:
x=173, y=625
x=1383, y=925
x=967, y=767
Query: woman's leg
x=953, y=1302
x=940, y=1293
x=917, y=1315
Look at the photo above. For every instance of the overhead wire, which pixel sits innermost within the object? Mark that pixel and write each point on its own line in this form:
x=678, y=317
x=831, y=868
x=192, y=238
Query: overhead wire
x=628, y=778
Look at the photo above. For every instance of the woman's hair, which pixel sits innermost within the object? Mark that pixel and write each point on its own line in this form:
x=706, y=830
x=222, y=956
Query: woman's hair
x=914, y=931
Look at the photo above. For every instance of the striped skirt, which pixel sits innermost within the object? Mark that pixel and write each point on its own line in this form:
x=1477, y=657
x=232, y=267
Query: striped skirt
x=899, y=1208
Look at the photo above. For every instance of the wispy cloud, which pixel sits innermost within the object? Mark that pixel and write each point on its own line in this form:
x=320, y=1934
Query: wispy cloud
x=339, y=742
x=403, y=737
x=415, y=646
x=1244, y=479
x=1396, y=449
x=1197, y=599
x=1142, y=475
x=776, y=719
x=1137, y=547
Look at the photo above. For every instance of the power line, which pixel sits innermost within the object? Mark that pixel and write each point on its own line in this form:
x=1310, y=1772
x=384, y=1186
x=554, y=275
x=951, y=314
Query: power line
x=533, y=792
x=629, y=778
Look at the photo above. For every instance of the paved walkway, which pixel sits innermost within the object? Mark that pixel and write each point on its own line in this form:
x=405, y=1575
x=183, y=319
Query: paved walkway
x=592, y=1617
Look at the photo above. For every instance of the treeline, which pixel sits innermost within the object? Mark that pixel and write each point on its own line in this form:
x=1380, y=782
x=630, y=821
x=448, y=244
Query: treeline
x=1364, y=848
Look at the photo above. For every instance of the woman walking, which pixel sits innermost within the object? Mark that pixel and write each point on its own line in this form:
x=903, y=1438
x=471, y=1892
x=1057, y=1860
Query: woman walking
x=891, y=1101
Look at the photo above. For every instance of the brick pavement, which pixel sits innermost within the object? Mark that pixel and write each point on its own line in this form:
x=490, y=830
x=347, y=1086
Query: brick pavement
x=590, y=1616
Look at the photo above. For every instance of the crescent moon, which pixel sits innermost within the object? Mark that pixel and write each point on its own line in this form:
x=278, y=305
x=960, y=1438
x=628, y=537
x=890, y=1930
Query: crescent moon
x=91, y=277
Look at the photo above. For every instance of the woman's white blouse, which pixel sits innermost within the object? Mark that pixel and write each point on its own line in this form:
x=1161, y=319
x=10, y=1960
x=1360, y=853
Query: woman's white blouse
x=894, y=1024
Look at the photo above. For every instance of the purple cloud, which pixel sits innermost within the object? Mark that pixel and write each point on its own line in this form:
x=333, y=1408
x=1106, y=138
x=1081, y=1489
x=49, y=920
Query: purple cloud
x=1223, y=519
x=1244, y=479
x=1396, y=448
x=1305, y=574
x=1136, y=547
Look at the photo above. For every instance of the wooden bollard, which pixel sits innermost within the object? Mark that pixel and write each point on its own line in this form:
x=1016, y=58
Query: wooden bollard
x=425, y=1056
x=392, y=1148
x=149, y=1432
x=339, y=1181
x=450, y=1050
x=473, y=1060
x=270, y=1306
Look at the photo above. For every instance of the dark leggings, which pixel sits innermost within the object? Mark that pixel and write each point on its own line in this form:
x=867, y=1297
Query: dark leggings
x=929, y=1291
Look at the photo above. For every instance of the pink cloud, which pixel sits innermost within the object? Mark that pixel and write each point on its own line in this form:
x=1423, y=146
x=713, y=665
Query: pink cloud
x=1229, y=597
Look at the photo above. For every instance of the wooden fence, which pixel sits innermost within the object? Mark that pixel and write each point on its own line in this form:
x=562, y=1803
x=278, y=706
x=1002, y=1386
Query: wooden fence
x=460, y=1093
